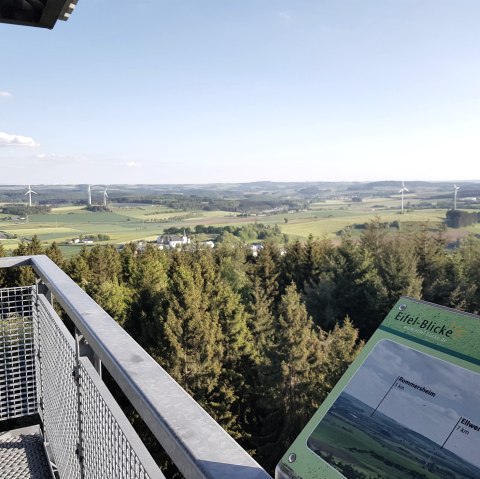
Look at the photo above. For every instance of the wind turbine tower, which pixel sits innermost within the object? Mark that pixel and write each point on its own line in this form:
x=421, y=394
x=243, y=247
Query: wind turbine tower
x=29, y=193
x=105, y=196
x=403, y=191
x=455, y=191
x=90, y=195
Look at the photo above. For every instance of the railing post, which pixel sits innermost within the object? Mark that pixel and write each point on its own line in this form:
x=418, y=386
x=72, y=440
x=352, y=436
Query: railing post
x=76, y=375
x=40, y=288
x=36, y=324
x=85, y=350
x=43, y=289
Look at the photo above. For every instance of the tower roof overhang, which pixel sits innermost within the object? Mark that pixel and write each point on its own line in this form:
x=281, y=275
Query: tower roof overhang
x=36, y=13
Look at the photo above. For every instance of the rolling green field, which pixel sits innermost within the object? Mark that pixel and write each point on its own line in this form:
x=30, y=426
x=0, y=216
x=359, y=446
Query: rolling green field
x=145, y=222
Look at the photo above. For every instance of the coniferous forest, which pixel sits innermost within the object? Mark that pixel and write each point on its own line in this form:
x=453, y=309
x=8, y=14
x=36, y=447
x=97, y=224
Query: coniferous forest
x=260, y=341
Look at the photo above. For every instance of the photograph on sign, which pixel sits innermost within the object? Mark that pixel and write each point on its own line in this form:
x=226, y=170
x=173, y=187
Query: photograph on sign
x=403, y=414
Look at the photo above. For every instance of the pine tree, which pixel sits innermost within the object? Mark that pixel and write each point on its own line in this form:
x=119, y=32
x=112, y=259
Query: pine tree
x=349, y=288
x=340, y=346
x=115, y=298
x=194, y=344
x=304, y=264
x=234, y=391
x=34, y=246
x=297, y=354
x=295, y=358
x=24, y=275
x=104, y=264
x=467, y=279
x=260, y=374
x=374, y=236
x=55, y=254
x=262, y=324
x=292, y=267
x=78, y=269
x=397, y=267
x=127, y=260
x=431, y=262
x=231, y=257
x=316, y=256
x=267, y=268
x=149, y=281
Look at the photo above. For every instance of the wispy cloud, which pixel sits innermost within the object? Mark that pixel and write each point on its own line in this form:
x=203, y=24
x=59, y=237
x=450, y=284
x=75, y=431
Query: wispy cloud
x=59, y=159
x=285, y=15
x=16, y=140
x=5, y=94
x=131, y=164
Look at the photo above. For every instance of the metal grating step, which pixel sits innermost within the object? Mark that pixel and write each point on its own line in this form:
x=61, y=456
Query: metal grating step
x=22, y=455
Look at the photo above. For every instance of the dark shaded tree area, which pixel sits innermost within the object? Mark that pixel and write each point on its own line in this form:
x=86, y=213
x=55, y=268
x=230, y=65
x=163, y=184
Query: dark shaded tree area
x=248, y=232
x=244, y=204
x=24, y=210
x=461, y=219
x=260, y=341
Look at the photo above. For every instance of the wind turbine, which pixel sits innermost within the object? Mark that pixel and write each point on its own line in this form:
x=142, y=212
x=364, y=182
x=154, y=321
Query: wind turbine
x=105, y=196
x=456, y=188
x=403, y=191
x=89, y=194
x=29, y=193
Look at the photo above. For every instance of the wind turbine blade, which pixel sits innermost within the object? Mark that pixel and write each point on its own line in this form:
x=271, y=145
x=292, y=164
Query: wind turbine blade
x=405, y=189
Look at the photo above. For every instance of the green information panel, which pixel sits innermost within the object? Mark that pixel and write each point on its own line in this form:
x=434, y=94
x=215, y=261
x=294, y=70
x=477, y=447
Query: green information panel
x=408, y=407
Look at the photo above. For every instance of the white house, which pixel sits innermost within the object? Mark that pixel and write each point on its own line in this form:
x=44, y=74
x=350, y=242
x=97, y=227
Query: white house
x=172, y=241
x=255, y=248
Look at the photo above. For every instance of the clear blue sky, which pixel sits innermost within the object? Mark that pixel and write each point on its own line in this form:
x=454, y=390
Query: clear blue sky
x=183, y=91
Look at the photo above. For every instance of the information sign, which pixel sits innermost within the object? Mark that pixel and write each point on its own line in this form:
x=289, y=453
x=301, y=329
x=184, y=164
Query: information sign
x=408, y=406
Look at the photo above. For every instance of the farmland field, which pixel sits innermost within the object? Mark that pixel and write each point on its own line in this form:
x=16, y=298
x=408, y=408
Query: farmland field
x=135, y=221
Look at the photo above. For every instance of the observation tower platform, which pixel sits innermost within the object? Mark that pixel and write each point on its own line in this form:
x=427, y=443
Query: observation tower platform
x=23, y=455
x=51, y=374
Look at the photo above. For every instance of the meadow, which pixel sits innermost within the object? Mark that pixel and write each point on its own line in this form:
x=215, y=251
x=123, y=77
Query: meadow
x=135, y=222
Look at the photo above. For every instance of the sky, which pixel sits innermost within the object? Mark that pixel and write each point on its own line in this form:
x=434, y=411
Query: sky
x=457, y=394
x=189, y=91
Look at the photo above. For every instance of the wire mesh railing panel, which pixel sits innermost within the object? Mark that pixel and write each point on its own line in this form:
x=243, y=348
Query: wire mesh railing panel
x=89, y=435
x=58, y=389
x=111, y=448
x=18, y=395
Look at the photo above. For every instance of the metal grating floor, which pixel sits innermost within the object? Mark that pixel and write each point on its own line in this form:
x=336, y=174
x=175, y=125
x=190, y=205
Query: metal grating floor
x=22, y=455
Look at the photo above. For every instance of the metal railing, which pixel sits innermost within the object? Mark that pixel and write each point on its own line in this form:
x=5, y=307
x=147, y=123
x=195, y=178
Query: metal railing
x=18, y=392
x=46, y=370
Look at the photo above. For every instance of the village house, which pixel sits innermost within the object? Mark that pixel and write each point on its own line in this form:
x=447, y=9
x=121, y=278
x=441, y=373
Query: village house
x=172, y=241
